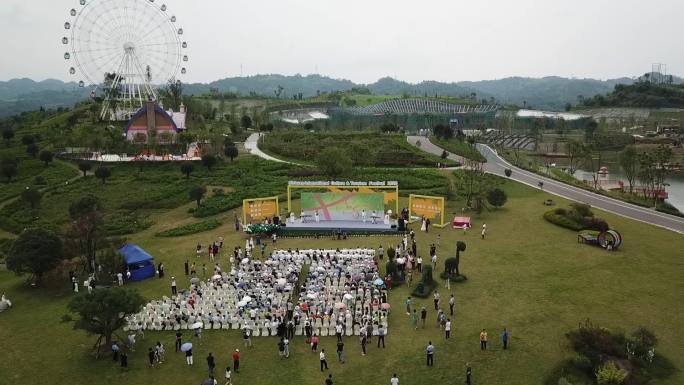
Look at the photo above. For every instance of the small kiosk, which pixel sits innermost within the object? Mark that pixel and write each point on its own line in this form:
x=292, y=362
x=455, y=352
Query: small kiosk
x=138, y=262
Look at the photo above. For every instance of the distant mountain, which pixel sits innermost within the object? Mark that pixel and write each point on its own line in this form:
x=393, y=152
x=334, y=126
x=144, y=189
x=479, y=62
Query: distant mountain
x=642, y=94
x=550, y=93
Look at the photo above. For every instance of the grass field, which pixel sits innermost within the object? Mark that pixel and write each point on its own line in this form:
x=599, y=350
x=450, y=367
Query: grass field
x=528, y=275
x=364, y=148
x=459, y=147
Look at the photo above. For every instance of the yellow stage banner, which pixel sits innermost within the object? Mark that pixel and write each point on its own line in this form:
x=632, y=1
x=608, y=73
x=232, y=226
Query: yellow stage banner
x=427, y=207
x=258, y=209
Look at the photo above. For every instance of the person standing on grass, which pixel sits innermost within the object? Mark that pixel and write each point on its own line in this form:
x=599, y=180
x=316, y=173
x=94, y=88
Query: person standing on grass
x=419, y=263
x=229, y=381
x=151, y=357
x=484, y=230
x=179, y=337
x=161, y=352
x=321, y=357
x=483, y=339
x=430, y=350
x=409, y=277
x=211, y=364
x=447, y=328
x=423, y=316
x=436, y=298
x=338, y=331
x=381, y=252
x=193, y=269
x=174, y=289
x=124, y=361
x=287, y=347
x=340, y=351
x=188, y=357
x=281, y=347
x=314, y=343
x=119, y=278
x=363, y=341
x=381, y=335
x=187, y=267
x=414, y=319
x=394, y=380
x=236, y=361
x=504, y=339
x=408, y=305
x=115, y=351
x=329, y=381
x=452, y=303
x=469, y=373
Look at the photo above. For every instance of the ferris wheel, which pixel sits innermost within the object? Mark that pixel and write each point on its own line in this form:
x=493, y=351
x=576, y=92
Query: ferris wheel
x=126, y=47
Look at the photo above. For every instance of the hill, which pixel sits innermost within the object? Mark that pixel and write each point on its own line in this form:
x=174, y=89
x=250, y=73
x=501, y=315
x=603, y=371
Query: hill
x=550, y=93
x=641, y=94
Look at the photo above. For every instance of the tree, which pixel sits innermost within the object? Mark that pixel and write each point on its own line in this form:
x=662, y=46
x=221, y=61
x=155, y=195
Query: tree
x=389, y=127
x=36, y=251
x=443, y=131
x=231, y=151
x=32, y=149
x=629, y=161
x=7, y=134
x=445, y=154
x=460, y=246
x=209, y=161
x=84, y=166
x=197, y=193
x=103, y=173
x=576, y=151
x=497, y=197
x=87, y=228
x=9, y=168
x=187, y=168
x=334, y=162
x=246, y=122
x=610, y=374
x=31, y=196
x=27, y=139
x=46, y=156
x=104, y=311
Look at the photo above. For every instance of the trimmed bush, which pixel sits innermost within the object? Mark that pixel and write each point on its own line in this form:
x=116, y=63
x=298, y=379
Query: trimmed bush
x=192, y=228
x=582, y=209
x=562, y=220
x=610, y=374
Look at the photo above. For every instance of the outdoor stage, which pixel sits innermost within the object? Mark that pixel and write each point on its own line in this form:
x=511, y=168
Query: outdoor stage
x=348, y=227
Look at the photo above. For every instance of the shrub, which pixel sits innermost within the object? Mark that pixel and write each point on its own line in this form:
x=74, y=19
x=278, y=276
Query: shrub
x=642, y=344
x=594, y=342
x=561, y=211
x=582, y=209
x=508, y=172
x=597, y=224
x=391, y=268
x=497, y=197
x=562, y=220
x=610, y=374
x=450, y=265
x=192, y=228
x=423, y=290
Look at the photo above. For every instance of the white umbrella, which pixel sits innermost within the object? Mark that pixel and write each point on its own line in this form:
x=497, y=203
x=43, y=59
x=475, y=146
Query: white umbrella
x=186, y=346
x=217, y=276
x=196, y=325
x=246, y=298
x=242, y=304
x=282, y=281
x=401, y=261
x=245, y=261
x=348, y=296
x=312, y=295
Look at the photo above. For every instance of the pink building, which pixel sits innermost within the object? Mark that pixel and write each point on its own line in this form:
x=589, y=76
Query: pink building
x=153, y=118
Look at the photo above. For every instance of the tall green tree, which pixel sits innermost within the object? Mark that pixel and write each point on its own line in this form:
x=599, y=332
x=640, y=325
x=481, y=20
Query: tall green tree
x=31, y=196
x=334, y=162
x=576, y=152
x=46, y=156
x=629, y=161
x=209, y=161
x=9, y=168
x=104, y=311
x=103, y=173
x=8, y=135
x=86, y=233
x=497, y=197
x=197, y=193
x=231, y=151
x=36, y=251
x=187, y=168
x=84, y=166
x=32, y=149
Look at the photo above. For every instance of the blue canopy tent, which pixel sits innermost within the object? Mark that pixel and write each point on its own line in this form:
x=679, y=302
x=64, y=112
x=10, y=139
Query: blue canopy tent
x=138, y=261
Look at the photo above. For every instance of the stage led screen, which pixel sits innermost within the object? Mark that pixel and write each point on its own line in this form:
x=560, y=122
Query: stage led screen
x=343, y=206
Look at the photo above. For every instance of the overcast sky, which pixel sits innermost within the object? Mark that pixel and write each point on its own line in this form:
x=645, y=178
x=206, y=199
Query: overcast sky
x=363, y=40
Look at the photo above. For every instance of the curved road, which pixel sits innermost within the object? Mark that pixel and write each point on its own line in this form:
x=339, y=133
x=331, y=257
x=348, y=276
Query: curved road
x=496, y=165
x=252, y=146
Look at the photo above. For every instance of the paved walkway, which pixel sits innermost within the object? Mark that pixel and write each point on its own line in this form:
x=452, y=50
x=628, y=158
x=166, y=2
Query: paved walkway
x=251, y=145
x=496, y=165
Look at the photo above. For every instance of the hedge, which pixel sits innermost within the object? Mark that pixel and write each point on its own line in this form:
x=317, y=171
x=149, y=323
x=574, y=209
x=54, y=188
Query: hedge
x=192, y=228
x=562, y=221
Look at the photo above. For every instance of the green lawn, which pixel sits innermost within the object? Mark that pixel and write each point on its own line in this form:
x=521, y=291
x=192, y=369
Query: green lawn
x=528, y=275
x=366, y=149
x=459, y=147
